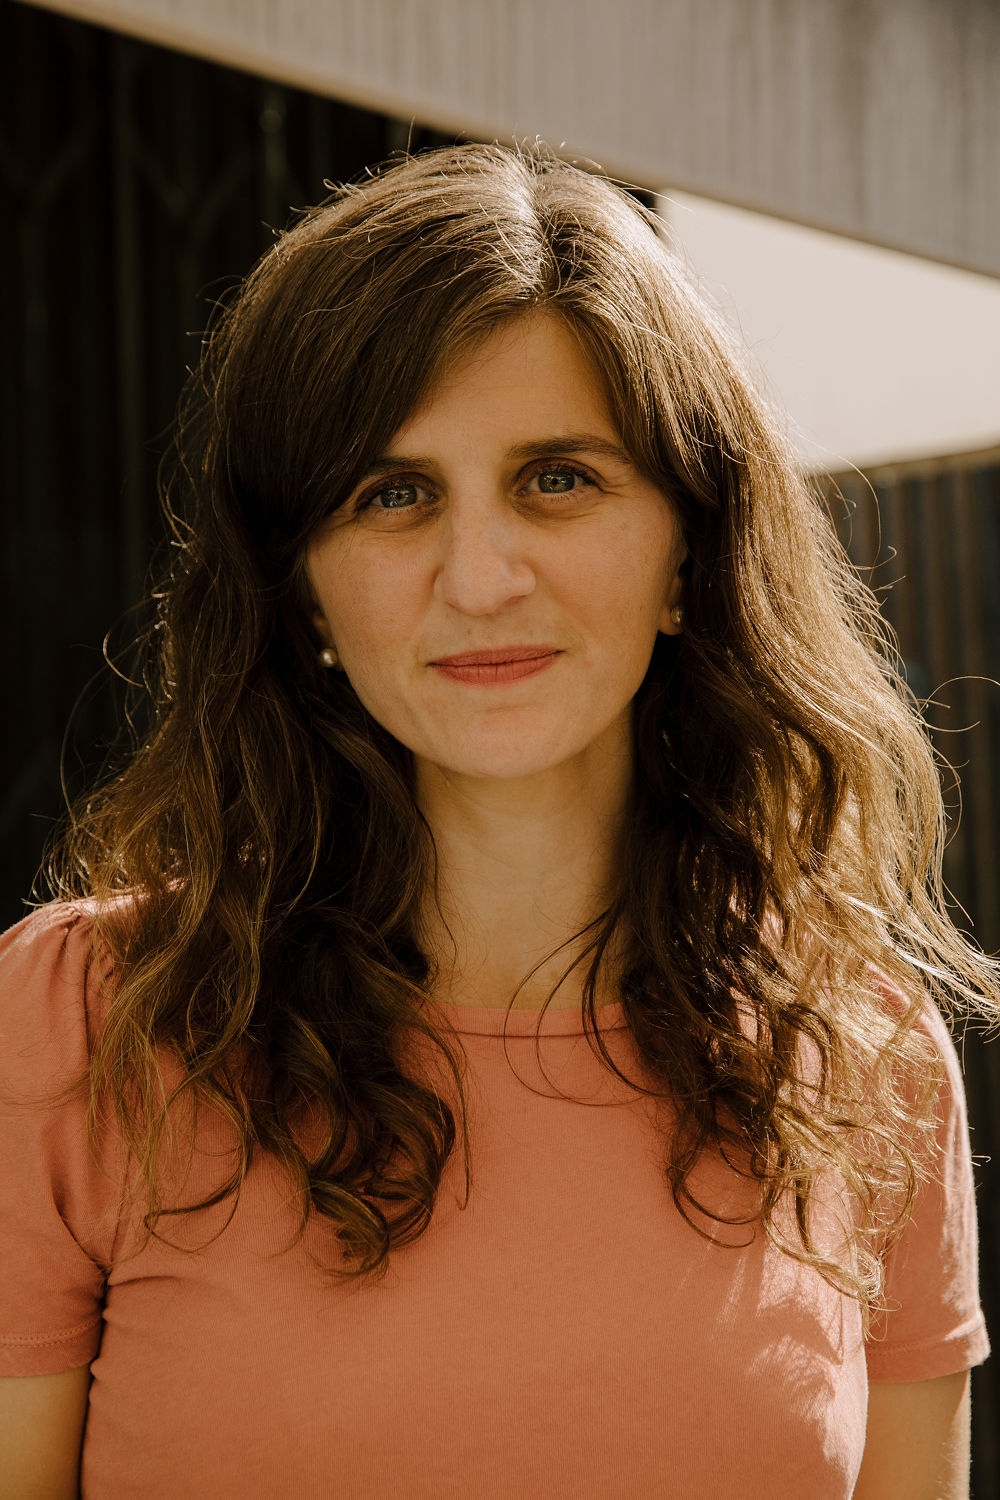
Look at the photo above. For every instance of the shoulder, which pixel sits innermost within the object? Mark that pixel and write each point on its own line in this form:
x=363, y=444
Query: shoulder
x=55, y=938
x=51, y=968
x=47, y=924
x=927, y=1021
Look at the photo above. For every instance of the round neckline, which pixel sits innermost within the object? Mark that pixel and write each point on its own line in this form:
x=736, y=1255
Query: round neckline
x=497, y=1020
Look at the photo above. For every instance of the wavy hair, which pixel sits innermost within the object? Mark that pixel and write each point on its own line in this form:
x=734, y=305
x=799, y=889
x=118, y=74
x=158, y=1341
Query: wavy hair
x=256, y=862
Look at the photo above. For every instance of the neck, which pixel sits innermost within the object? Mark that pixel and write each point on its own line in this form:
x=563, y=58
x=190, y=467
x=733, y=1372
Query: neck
x=519, y=874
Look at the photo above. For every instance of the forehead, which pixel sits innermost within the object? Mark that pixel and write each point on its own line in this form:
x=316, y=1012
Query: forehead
x=532, y=368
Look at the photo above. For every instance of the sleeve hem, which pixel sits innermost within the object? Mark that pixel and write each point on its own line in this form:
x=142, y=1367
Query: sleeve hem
x=968, y=1346
x=26, y=1354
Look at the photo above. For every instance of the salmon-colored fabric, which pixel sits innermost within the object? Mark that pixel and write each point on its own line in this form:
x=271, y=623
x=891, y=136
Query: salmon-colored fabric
x=566, y=1334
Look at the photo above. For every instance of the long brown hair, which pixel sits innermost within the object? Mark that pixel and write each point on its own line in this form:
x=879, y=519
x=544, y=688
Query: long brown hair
x=256, y=864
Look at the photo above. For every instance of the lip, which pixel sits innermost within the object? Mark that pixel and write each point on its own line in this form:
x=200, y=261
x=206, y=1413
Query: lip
x=497, y=674
x=498, y=654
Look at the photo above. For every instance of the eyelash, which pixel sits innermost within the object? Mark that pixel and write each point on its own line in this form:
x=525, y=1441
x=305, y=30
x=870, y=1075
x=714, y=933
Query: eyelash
x=365, y=500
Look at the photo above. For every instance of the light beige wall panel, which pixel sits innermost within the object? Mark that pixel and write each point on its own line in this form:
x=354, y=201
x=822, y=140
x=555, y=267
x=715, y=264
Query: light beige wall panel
x=876, y=119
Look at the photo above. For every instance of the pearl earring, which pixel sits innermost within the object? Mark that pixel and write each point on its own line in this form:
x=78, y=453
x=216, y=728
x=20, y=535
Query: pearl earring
x=677, y=614
x=328, y=657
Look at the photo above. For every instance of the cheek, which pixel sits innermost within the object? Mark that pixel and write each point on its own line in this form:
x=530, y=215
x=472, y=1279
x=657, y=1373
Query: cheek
x=623, y=578
x=369, y=614
x=336, y=587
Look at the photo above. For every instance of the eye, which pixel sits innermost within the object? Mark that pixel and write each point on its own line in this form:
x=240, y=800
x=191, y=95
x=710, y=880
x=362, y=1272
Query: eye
x=404, y=493
x=558, y=479
x=396, y=496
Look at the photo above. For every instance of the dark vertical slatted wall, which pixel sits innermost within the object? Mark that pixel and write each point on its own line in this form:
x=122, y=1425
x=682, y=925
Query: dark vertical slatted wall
x=926, y=537
x=138, y=184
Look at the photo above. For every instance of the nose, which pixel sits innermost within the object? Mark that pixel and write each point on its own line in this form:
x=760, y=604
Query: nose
x=488, y=555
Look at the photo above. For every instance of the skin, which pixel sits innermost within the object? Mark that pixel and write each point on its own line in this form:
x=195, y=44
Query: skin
x=918, y=1440
x=524, y=786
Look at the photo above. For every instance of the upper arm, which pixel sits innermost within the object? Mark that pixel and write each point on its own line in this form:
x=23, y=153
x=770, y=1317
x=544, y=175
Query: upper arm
x=917, y=1443
x=42, y=1418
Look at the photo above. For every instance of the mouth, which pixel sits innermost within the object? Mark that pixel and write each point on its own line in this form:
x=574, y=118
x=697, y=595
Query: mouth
x=497, y=674
x=495, y=657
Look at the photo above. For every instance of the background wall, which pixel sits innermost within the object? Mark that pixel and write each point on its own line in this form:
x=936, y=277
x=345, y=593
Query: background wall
x=878, y=119
x=141, y=183
x=876, y=356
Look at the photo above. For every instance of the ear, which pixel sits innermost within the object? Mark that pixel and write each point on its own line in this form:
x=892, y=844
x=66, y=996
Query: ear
x=317, y=620
x=675, y=596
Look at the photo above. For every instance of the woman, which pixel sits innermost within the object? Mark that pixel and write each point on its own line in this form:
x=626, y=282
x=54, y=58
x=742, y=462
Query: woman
x=685, y=860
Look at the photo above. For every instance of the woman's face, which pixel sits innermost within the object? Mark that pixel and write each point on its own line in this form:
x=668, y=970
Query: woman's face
x=501, y=514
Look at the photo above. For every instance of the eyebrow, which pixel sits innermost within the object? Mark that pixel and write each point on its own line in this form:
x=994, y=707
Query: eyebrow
x=575, y=442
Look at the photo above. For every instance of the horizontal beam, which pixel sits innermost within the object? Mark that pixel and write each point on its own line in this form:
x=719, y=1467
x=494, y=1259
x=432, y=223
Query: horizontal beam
x=878, y=120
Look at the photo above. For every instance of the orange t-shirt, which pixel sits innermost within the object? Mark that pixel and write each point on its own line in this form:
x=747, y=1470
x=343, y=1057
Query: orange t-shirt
x=567, y=1334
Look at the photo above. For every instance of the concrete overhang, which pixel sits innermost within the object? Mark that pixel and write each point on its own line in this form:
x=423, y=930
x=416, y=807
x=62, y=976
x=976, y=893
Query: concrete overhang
x=878, y=120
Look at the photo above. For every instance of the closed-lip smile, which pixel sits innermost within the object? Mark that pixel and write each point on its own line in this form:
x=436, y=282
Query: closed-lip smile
x=492, y=657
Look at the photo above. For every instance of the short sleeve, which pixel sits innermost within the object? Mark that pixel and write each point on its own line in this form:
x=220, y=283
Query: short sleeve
x=933, y=1323
x=56, y=1209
